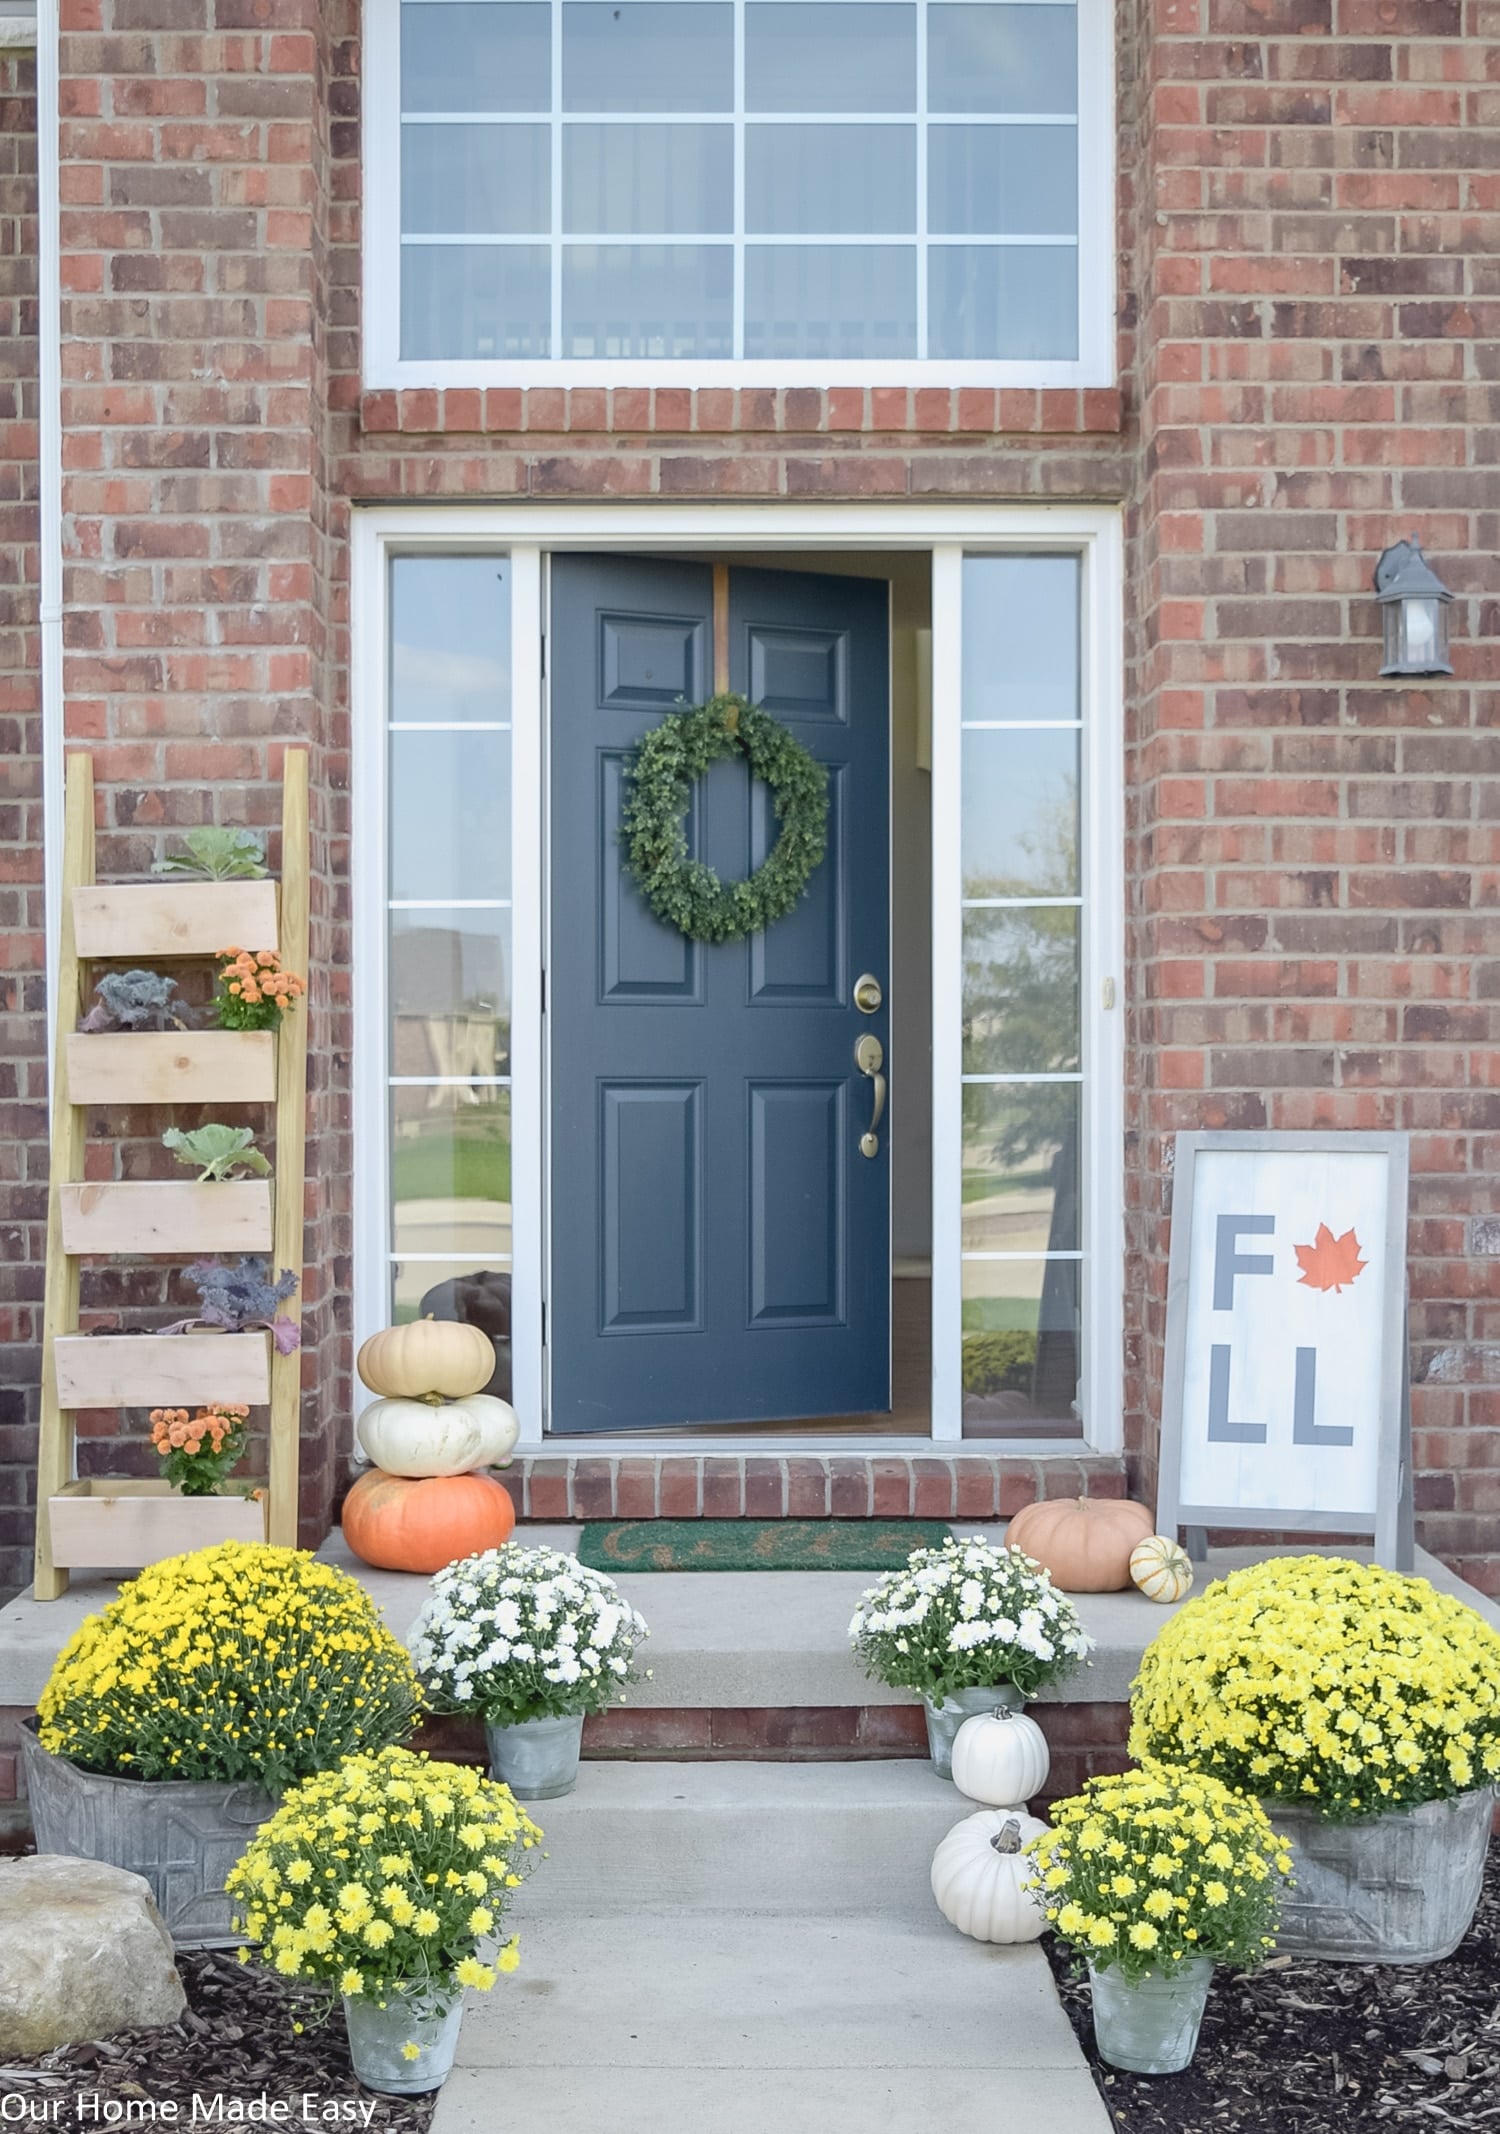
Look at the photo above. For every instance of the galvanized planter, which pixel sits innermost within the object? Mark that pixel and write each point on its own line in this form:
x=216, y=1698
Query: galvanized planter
x=945, y=1719
x=1394, y=1889
x=183, y=1835
x=378, y=2038
x=537, y=1758
x=1150, y=2026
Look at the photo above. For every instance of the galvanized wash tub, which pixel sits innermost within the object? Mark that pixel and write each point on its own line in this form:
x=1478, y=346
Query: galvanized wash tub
x=1393, y=1889
x=183, y=1835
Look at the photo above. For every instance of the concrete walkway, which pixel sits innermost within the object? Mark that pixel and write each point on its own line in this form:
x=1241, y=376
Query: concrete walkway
x=732, y=1948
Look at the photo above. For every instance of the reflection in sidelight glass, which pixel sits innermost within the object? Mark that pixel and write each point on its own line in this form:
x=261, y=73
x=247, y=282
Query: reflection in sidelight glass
x=450, y=640
x=448, y=950
x=1021, y=622
x=1022, y=1345
x=1020, y=994
x=1025, y=1181
x=1020, y=1167
x=1020, y=811
x=449, y=987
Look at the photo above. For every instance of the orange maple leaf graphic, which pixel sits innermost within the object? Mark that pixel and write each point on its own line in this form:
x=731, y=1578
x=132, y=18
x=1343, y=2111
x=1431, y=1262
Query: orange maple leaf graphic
x=1329, y=1262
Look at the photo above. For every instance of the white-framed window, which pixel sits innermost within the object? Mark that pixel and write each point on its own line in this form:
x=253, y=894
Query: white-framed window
x=1027, y=1003
x=739, y=190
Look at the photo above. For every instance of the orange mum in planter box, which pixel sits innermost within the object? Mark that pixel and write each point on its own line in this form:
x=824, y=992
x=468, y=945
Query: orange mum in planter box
x=402, y=1525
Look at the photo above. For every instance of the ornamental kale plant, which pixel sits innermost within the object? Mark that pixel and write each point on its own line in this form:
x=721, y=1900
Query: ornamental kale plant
x=241, y=1297
x=967, y=1616
x=137, y=1000
x=223, y=1151
x=215, y=854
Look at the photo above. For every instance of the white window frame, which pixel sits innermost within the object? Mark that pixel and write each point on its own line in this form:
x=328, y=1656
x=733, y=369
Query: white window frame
x=527, y=534
x=384, y=368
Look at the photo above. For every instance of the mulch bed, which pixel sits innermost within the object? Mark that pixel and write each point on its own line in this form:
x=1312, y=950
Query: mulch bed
x=235, y=2043
x=1305, y=2048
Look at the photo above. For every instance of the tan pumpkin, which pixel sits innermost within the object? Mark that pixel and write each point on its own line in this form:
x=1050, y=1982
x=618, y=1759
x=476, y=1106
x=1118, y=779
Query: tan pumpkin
x=438, y=1437
x=401, y=1525
x=1084, y=1542
x=441, y=1357
x=1162, y=1568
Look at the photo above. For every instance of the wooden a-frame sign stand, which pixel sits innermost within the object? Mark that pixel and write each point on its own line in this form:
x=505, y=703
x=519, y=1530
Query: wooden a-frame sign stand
x=127, y=1523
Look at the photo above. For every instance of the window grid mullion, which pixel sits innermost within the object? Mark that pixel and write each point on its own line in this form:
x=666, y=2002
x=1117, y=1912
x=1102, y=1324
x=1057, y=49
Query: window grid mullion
x=737, y=327
x=555, y=260
x=921, y=181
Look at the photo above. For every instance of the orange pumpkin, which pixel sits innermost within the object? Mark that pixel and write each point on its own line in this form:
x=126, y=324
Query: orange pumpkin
x=402, y=1525
x=1084, y=1542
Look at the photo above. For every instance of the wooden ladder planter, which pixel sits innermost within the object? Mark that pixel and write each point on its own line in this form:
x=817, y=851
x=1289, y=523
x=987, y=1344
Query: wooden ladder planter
x=120, y=1523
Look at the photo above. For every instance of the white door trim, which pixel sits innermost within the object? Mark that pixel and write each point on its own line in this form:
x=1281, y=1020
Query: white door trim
x=526, y=532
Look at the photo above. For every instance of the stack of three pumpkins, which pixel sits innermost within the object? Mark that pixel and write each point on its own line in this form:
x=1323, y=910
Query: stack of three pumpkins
x=431, y=1433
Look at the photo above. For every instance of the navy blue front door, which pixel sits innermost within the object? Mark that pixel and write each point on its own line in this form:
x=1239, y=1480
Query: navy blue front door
x=720, y=1245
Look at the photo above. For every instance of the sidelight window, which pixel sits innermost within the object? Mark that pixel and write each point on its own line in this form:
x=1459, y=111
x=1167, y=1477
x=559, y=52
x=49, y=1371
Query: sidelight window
x=448, y=931
x=844, y=184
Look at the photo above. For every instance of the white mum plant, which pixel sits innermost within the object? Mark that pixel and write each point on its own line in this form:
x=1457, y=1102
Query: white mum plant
x=518, y=1634
x=967, y=1615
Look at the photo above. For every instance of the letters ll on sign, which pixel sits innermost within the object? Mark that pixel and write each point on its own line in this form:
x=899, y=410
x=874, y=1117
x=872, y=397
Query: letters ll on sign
x=1284, y=1396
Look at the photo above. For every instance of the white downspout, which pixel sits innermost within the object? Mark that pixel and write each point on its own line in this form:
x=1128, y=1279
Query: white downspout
x=49, y=475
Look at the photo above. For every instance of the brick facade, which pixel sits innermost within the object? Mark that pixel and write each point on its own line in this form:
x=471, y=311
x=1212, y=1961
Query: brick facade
x=1308, y=230
x=23, y=1110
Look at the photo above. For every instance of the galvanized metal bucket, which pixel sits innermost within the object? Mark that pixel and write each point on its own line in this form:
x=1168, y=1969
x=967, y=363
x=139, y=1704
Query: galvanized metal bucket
x=945, y=1719
x=1150, y=2026
x=379, y=2037
x=182, y=1835
x=1394, y=1889
x=538, y=1759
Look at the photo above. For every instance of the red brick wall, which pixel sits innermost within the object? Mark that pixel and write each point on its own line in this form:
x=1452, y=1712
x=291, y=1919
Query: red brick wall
x=1307, y=338
x=1312, y=851
x=23, y=1107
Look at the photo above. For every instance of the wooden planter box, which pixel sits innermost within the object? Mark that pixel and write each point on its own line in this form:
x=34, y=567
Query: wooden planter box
x=146, y=919
x=162, y=1370
x=170, y=1215
x=125, y=1525
x=171, y=1067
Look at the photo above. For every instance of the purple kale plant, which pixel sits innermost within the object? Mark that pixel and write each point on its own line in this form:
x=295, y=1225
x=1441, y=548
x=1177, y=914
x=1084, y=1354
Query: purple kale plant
x=242, y=1296
x=136, y=1000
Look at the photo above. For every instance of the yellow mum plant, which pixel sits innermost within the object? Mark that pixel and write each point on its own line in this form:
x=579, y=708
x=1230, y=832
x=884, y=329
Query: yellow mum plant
x=1338, y=1685
x=391, y=1871
x=239, y=1662
x=1144, y=1869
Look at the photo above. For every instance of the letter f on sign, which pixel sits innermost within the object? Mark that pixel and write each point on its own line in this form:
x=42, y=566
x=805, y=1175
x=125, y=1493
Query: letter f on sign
x=1228, y=1262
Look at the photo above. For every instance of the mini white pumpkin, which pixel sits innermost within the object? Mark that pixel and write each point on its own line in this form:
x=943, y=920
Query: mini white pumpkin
x=1000, y=1758
x=984, y=1883
x=1162, y=1568
x=446, y=1437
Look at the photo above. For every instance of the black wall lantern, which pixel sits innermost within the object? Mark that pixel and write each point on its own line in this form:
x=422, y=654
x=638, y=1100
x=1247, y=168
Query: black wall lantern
x=1414, y=606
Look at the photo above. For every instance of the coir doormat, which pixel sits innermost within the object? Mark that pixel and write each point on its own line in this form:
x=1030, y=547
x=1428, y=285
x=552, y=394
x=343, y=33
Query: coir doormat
x=756, y=1544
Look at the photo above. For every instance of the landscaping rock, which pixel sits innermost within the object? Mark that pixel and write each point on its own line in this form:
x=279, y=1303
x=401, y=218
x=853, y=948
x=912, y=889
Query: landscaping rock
x=83, y=1953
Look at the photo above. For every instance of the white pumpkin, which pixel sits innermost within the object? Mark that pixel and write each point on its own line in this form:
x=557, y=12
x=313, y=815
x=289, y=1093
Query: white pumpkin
x=985, y=1885
x=447, y=1437
x=1000, y=1758
x=1162, y=1568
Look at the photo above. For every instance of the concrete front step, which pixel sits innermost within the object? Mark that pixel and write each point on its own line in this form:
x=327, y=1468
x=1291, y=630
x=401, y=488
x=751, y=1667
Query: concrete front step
x=751, y=1838
x=726, y=2021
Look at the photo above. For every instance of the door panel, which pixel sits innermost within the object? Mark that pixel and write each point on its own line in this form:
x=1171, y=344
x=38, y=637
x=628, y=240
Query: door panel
x=719, y=1246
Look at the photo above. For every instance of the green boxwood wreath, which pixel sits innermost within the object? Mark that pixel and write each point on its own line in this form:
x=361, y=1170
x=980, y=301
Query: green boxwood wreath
x=684, y=892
